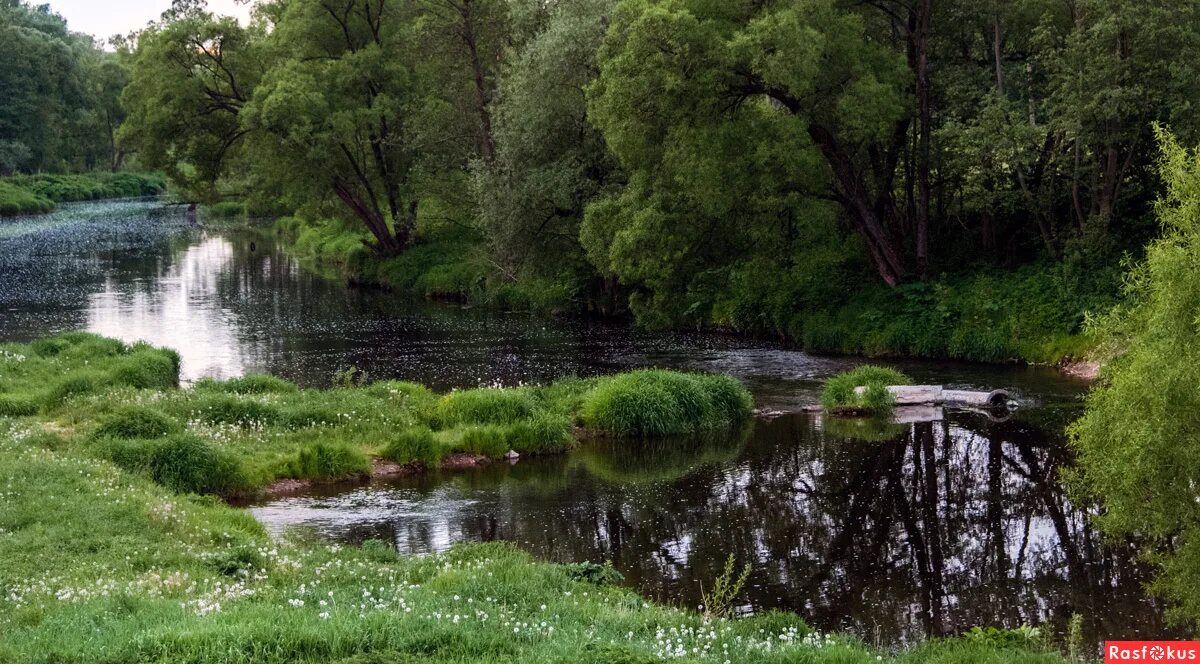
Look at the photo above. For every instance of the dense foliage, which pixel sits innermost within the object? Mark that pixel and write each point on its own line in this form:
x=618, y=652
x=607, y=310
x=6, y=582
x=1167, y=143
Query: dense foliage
x=1139, y=441
x=922, y=178
x=60, y=108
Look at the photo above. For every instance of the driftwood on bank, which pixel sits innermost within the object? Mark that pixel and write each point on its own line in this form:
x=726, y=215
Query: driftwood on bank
x=936, y=395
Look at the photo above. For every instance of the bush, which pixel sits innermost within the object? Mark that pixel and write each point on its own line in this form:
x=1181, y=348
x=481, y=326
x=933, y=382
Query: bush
x=136, y=422
x=325, y=461
x=485, y=406
x=839, y=394
x=657, y=403
x=415, y=445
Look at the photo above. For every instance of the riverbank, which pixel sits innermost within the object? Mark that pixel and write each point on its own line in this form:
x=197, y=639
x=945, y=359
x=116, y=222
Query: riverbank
x=38, y=194
x=101, y=565
x=1033, y=314
x=122, y=403
x=104, y=555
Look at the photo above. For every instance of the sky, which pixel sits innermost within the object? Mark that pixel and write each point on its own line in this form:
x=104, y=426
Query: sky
x=104, y=18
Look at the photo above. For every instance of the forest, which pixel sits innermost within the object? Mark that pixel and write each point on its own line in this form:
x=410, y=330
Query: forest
x=912, y=178
x=1013, y=182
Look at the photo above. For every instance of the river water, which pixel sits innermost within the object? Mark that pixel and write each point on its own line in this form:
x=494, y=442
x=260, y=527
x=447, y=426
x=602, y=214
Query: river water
x=924, y=529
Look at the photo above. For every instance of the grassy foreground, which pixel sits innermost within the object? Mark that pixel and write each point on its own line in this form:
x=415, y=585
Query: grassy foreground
x=104, y=559
x=35, y=194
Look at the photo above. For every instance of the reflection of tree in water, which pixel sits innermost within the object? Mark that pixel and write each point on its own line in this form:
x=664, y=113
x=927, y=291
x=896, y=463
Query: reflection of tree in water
x=949, y=525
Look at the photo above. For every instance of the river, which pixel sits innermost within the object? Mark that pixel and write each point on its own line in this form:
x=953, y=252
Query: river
x=924, y=530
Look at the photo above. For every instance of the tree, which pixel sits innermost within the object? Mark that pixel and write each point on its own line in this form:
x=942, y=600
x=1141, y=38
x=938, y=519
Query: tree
x=808, y=68
x=192, y=74
x=1139, y=440
x=549, y=161
x=338, y=113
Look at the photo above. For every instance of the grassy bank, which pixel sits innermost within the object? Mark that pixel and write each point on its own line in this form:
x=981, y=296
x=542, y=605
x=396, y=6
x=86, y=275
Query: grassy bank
x=1034, y=314
x=107, y=553
x=122, y=404
x=101, y=565
x=448, y=262
x=35, y=194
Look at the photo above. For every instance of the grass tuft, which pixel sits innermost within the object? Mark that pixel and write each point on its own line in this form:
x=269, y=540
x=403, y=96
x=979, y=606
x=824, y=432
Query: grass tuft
x=839, y=394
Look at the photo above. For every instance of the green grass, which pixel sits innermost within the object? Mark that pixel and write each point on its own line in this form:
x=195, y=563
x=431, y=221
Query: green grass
x=16, y=200
x=98, y=564
x=33, y=194
x=839, y=394
x=653, y=402
x=109, y=552
x=122, y=403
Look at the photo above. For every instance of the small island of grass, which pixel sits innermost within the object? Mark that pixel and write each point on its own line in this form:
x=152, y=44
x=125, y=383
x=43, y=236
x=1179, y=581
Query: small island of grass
x=841, y=395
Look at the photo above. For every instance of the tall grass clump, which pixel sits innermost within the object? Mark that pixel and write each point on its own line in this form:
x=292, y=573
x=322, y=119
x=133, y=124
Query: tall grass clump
x=17, y=406
x=840, y=395
x=136, y=422
x=226, y=409
x=325, y=461
x=653, y=402
x=182, y=463
x=413, y=446
x=485, y=406
x=247, y=384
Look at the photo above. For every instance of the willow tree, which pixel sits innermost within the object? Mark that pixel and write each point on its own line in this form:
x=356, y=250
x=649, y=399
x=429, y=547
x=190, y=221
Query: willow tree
x=337, y=113
x=689, y=89
x=192, y=74
x=1139, y=440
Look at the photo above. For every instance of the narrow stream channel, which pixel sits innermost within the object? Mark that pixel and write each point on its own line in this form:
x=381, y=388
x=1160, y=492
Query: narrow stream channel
x=927, y=530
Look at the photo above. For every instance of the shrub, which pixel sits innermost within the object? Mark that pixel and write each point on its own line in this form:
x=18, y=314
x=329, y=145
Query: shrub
x=324, y=461
x=484, y=406
x=248, y=384
x=657, y=403
x=415, y=445
x=14, y=406
x=839, y=394
x=136, y=422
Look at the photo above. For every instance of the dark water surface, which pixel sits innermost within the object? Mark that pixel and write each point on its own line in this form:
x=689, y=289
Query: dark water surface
x=937, y=527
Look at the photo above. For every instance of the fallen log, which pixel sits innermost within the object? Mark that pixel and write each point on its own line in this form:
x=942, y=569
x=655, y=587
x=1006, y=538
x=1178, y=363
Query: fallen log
x=936, y=395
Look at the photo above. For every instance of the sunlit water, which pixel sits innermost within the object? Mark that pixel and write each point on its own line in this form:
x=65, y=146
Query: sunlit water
x=939, y=527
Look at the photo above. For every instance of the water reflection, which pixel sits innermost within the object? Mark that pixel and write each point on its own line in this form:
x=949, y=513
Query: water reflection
x=948, y=525
x=233, y=302
x=925, y=530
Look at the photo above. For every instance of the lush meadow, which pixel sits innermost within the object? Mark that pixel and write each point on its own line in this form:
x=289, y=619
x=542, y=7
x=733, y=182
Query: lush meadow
x=112, y=548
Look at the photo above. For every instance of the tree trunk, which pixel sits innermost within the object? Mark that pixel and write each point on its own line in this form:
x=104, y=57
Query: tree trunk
x=482, y=96
x=919, y=61
x=864, y=214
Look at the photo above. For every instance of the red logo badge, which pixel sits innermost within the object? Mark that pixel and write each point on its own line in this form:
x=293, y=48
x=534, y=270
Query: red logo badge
x=1151, y=651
